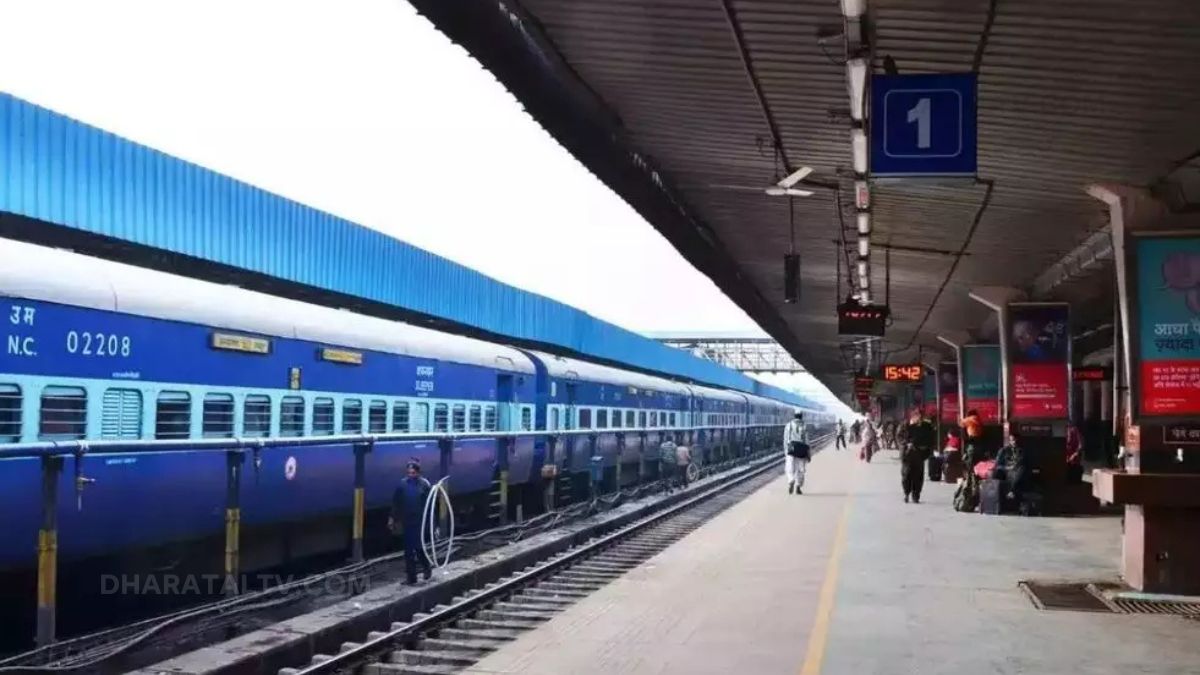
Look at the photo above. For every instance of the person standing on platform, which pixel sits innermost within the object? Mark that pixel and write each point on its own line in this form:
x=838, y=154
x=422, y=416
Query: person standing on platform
x=408, y=505
x=973, y=430
x=683, y=460
x=796, y=453
x=841, y=435
x=917, y=449
x=870, y=441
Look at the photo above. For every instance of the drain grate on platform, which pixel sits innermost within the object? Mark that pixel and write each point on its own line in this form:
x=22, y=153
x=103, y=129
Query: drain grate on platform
x=1072, y=597
x=1189, y=610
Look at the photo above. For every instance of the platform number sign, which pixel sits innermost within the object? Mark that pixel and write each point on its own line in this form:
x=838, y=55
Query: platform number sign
x=923, y=125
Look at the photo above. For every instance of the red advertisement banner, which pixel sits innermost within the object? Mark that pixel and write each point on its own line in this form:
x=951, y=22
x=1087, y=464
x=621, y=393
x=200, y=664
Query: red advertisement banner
x=988, y=409
x=1039, y=390
x=950, y=407
x=1170, y=387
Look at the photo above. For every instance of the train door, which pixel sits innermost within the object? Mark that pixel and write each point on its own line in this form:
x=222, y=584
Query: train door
x=504, y=399
x=419, y=421
x=569, y=421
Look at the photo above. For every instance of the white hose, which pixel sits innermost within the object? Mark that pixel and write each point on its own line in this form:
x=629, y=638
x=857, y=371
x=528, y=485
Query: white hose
x=429, y=528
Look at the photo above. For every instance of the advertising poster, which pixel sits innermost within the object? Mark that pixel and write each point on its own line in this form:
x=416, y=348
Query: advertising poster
x=981, y=381
x=929, y=395
x=1168, y=302
x=948, y=391
x=1040, y=349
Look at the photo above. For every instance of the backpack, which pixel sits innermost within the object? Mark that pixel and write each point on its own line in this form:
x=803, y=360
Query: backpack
x=966, y=497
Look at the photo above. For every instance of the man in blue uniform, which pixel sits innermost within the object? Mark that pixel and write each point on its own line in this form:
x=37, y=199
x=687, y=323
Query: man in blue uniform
x=408, y=505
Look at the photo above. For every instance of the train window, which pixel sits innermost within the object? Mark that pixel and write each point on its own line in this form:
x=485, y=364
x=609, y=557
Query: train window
x=441, y=417
x=642, y=419
x=256, y=416
x=629, y=419
x=121, y=414
x=217, y=420
x=10, y=413
x=553, y=419
x=420, y=420
x=377, y=418
x=475, y=418
x=653, y=419
x=352, y=416
x=64, y=413
x=602, y=419
x=526, y=418
x=489, y=418
x=400, y=417
x=173, y=415
x=585, y=418
x=672, y=419
x=291, y=416
x=323, y=412
x=458, y=417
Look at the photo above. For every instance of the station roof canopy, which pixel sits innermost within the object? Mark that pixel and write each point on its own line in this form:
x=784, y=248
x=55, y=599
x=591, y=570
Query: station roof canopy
x=668, y=100
x=66, y=184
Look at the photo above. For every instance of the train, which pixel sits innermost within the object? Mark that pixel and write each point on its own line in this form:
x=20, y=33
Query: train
x=100, y=350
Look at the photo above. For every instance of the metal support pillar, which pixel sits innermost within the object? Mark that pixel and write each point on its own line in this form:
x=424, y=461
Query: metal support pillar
x=47, y=571
x=360, y=503
x=233, y=520
x=552, y=479
x=595, y=466
x=642, y=457
x=997, y=299
x=620, y=454
x=505, y=447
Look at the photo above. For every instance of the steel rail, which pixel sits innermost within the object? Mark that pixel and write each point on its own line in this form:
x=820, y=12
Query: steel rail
x=355, y=656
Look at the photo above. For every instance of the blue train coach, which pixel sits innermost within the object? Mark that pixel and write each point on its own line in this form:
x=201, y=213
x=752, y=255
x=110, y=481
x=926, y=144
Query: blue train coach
x=95, y=349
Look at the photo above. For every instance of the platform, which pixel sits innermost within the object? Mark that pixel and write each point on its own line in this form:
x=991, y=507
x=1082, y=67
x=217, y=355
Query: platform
x=849, y=580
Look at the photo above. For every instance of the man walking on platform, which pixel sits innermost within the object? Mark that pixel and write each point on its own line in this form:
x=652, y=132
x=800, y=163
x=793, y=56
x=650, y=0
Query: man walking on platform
x=918, y=448
x=841, y=435
x=408, y=505
x=796, y=452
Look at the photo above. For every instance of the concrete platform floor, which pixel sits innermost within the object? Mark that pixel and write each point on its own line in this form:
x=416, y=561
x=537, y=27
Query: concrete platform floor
x=849, y=580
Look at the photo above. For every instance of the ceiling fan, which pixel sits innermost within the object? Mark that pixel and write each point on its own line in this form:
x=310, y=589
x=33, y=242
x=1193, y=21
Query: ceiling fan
x=784, y=188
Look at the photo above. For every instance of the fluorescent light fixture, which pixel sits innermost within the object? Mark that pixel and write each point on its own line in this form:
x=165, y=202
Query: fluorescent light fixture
x=858, y=141
x=864, y=247
x=856, y=83
x=864, y=297
x=864, y=222
x=852, y=9
x=862, y=267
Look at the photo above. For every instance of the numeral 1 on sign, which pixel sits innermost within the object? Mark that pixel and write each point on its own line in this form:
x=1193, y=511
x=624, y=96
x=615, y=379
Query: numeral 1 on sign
x=919, y=113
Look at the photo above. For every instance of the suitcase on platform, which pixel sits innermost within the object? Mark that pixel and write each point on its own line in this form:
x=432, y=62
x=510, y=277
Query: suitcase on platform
x=934, y=465
x=991, y=496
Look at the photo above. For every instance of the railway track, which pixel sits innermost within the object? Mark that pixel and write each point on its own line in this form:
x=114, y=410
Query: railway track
x=454, y=636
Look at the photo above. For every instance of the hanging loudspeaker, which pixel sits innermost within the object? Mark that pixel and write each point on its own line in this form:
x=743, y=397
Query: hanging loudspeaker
x=791, y=278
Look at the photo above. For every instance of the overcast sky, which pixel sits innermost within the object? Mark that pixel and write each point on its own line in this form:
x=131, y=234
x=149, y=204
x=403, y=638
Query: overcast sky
x=364, y=110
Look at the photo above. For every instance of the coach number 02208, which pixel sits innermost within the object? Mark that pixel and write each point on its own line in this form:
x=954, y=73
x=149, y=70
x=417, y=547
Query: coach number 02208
x=98, y=344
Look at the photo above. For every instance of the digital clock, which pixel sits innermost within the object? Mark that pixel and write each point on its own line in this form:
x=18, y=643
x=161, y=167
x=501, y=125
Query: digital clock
x=908, y=372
